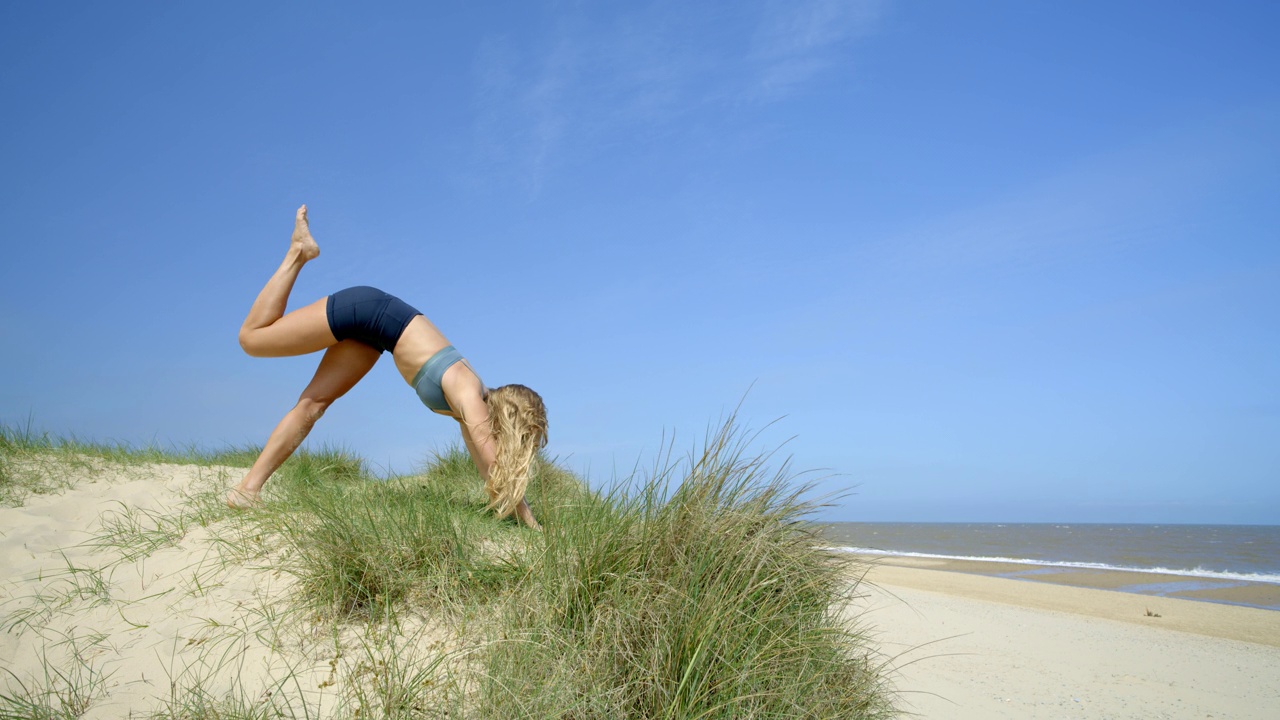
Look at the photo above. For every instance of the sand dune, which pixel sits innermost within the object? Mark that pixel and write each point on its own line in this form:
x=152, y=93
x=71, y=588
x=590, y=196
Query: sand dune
x=184, y=621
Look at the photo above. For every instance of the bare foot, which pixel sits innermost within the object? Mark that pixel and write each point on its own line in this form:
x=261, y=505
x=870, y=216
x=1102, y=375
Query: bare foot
x=302, y=239
x=238, y=499
x=526, y=516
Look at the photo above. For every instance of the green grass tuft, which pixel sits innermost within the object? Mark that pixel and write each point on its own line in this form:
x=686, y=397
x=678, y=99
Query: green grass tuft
x=696, y=592
x=362, y=548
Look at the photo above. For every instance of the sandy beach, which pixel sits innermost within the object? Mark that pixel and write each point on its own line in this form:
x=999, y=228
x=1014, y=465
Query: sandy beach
x=135, y=632
x=975, y=646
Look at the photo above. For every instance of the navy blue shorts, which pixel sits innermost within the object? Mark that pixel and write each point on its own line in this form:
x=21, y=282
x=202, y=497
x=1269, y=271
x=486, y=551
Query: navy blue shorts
x=370, y=316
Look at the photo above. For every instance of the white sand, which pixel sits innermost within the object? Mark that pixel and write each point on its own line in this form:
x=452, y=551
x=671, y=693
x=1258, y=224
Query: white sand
x=970, y=646
x=179, y=619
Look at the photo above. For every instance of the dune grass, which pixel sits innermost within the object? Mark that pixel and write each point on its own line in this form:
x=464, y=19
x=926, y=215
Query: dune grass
x=34, y=462
x=695, y=590
x=61, y=692
x=364, y=547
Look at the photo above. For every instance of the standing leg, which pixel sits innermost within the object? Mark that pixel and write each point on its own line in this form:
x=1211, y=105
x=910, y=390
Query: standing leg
x=340, y=369
x=267, y=331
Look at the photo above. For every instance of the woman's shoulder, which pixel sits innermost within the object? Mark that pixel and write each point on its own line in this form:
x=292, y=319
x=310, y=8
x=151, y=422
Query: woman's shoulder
x=465, y=391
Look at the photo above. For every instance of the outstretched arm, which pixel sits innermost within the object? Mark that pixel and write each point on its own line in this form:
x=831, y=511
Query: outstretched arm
x=484, y=453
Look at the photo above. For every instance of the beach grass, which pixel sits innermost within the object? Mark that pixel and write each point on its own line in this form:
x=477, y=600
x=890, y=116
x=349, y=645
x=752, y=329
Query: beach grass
x=61, y=692
x=696, y=589
x=35, y=462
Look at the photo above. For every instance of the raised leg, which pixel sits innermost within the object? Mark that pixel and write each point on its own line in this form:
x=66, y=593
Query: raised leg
x=267, y=331
x=341, y=368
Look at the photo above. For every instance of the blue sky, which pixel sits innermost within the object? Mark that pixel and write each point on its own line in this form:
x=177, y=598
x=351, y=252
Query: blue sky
x=993, y=262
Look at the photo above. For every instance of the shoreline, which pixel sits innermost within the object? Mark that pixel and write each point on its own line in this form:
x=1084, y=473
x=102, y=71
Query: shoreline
x=965, y=646
x=1214, y=619
x=1149, y=584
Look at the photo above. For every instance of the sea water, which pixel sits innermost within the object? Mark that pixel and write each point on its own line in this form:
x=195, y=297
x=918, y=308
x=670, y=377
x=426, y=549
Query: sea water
x=1214, y=555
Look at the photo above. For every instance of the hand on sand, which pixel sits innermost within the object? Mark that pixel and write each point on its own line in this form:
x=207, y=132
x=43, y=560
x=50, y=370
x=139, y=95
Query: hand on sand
x=238, y=499
x=302, y=240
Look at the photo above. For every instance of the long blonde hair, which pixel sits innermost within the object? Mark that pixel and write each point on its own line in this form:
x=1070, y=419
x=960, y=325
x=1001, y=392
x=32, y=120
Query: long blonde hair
x=518, y=420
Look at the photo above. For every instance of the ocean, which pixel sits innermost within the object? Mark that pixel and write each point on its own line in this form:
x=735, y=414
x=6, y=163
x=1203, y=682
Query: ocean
x=1237, y=564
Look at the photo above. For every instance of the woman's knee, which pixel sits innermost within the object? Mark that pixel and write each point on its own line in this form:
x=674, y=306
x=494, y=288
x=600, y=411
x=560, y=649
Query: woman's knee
x=251, y=343
x=312, y=407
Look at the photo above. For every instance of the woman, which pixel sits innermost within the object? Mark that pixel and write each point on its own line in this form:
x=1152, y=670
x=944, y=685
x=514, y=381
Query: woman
x=502, y=428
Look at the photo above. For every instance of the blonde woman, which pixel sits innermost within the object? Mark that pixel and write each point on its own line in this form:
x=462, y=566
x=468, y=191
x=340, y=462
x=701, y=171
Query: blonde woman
x=503, y=428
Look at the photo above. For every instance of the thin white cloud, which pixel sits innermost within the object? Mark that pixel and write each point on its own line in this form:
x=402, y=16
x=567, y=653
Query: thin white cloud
x=797, y=40
x=588, y=84
x=495, y=78
x=523, y=106
x=546, y=101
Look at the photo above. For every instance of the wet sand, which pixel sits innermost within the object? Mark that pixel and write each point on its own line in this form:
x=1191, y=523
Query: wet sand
x=1237, y=592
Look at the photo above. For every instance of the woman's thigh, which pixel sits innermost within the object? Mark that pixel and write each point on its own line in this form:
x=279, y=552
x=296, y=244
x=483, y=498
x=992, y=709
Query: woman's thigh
x=302, y=331
x=340, y=369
